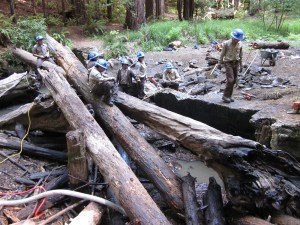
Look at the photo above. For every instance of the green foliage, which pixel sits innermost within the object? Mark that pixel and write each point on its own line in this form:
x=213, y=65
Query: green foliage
x=61, y=37
x=54, y=21
x=94, y=27
x=115, y=44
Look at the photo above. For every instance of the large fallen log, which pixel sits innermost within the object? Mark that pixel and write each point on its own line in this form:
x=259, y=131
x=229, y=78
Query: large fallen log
x=274, y=45
x=113, y=119
x=91, y=215
x=31, y=150
x=130, y=192
x=17, y=85
x=44, y=115
x=254, y=177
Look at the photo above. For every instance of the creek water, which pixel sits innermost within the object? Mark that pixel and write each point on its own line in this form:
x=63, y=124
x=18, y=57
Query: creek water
x=197, y=169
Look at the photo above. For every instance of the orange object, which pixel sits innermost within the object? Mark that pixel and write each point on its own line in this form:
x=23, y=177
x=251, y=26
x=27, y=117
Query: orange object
x=296, y=106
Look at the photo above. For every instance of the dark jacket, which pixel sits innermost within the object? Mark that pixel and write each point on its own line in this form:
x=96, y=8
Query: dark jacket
x=129, y=75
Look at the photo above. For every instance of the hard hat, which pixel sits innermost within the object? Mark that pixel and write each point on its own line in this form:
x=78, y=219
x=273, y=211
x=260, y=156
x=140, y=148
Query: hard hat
x=92, y=55
x=140, y=54
x=39, y=37
x=125, y=61
x=238, y=34
x=102, y=63
x=168, y=66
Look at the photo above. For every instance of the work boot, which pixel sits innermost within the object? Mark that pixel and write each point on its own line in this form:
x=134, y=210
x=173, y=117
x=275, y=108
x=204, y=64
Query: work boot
x=226, y=100
x=231, y=99
x=108, y=101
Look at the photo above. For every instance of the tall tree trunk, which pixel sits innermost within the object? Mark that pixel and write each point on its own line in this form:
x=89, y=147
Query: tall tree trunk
x=186, y=9
x=191, y=10
x=149, y=5
x=160, y=8
x=44, y=4
x=109, y=9
x=33, y=7
x=63, y=9
x=179, y=9
x=236, y=4
x=12, y=7
x=135, y=14
x=97, y=6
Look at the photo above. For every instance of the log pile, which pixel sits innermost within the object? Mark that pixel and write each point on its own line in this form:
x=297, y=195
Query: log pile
x=256, y=179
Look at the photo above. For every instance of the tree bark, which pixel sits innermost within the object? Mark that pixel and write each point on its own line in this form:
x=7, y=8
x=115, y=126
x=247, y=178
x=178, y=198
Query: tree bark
x=45, y=10
x=274, y=45
x=193, y=215
x=91, y=215
x=186, y=9
x=77, y=162
x=114, y=121
x=109, y=10
x=214, y=213
x=31, y=150
x=12, y=7
x=160, y=8
x=135, y=14
x=251, y=220
x=44, y=116
x=121, y=179
x=246, y=167
x=33, y=7
x=179, y=9
x=149, y=6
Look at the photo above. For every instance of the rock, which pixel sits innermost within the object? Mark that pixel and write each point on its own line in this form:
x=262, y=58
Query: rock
x=158, y=76
x=241, y=85
x=175, y=44
x=180, y=63
x=266, y=80
x=193, y=61
x=186, y=69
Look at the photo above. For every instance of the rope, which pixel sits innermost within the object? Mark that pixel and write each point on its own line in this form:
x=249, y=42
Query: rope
x=22, y=141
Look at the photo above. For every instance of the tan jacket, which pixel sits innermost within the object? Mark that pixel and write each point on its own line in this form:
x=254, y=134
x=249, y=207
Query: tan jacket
x=232, y=53
x=171, y=76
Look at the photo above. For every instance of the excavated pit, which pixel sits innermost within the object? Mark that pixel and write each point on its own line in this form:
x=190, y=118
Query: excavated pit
x=264, y=122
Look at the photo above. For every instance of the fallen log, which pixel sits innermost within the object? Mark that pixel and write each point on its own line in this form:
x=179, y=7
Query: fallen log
x=284, y=220
x=133, y=197
x=193, y=214
x=31, y=150
x=17, y=85
x=251, y=172
x=274, y=45
x=113, y=119
x=90, y=215
x=214, y=213
x=251, y=220
x=31, y=60
x=44, y=115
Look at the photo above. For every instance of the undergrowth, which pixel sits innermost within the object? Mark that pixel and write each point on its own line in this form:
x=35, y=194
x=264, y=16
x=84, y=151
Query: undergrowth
x=156, y=36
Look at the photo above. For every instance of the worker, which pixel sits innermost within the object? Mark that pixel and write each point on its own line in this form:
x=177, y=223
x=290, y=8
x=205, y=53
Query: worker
x=141, y=72
x=92, y=59
x=170, y=77
x=231, y=56
x=125, y=76
x=101, y=84
x=41, y=51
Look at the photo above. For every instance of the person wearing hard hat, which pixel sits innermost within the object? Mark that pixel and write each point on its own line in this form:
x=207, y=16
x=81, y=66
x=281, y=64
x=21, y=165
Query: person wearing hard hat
x=170, y=77
x=100, y=83
x=141, y=72
x=231, y=56
x=92, y=59
x=125, y=76
x=41, y=51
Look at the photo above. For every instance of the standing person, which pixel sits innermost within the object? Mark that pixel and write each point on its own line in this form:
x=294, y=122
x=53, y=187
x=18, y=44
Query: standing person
x=124, y=77
x=141, y=72
x=41, y=51
x=101, y=84
x=92, y=59
x=170, y=77
x=231, y=56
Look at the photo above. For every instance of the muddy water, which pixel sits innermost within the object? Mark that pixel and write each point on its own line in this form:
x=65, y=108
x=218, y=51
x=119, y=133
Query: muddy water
x=197, y=169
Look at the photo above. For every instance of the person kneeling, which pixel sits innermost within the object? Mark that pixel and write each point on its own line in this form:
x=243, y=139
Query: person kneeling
x=170, y=77
x=101, y=84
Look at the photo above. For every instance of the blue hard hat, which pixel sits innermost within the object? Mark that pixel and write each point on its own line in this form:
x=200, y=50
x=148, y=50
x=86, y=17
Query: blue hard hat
x=168, y=66
x=102, y=63
x=238, y=34
x=92, y=55
x=125, y=61
x=140, y=54
x=39, y=37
